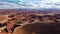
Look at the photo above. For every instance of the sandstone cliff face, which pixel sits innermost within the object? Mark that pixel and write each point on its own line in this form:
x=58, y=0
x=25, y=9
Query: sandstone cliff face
x=30, y=24
x=38, y=28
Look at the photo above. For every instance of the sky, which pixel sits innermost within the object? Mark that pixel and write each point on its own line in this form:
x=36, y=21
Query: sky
x=29, y=4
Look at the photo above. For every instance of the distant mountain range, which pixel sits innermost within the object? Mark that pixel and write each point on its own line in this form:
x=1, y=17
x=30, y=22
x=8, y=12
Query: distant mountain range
x=38, y=10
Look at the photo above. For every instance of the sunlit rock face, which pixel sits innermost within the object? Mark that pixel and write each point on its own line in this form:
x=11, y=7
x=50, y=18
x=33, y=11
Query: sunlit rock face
x=3, y=18
x=3, y=22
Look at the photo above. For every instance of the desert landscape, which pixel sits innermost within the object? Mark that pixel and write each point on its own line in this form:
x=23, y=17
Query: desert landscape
x=29, y=22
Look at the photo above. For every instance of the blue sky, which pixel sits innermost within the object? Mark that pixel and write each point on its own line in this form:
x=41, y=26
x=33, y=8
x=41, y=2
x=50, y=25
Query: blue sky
x=31, y=4
x=9, y=4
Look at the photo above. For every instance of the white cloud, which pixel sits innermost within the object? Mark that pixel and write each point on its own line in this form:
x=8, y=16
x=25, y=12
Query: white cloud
x=32, y=4
x=7, y=5
x=12, y=0
x=39, y=3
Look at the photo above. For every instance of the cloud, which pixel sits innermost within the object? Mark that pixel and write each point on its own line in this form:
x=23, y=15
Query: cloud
x=36, y=4
x=9, y=0
x=31, y=4
x=8, y=5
